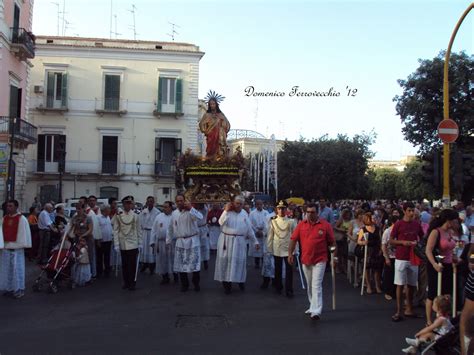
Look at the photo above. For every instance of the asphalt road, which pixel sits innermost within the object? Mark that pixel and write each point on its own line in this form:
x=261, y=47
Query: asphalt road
x=103, y=318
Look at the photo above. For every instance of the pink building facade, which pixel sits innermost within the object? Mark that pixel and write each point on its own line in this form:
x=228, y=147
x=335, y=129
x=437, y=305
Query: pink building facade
x=17, y=48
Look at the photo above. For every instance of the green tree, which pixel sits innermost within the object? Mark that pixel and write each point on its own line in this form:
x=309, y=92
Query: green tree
x=412, y=186
x=325, y=167
x=384, y=183
x=420, y=106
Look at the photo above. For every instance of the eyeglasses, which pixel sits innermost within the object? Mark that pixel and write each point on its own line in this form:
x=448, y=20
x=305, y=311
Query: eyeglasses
x=310, y=211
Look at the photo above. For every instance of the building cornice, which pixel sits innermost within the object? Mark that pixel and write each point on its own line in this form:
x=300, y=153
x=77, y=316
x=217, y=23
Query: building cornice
x=114, y=53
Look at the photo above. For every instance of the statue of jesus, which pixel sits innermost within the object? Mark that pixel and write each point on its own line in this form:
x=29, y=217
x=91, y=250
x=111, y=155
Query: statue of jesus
x=215, y=127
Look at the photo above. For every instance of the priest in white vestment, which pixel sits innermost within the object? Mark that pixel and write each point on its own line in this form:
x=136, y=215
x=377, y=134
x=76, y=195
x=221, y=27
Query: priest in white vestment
x=231, y=261
x=147, y=218
x=15, y=237
x=158, y=243
x=259, y=220
x=184, y=228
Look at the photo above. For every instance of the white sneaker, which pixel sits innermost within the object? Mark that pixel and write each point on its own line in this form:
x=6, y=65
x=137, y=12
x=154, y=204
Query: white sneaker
x=409, y=350
x=307, y=311
x=412, y=342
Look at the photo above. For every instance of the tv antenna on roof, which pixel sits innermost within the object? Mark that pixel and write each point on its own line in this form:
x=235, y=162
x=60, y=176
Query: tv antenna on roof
x=67, y=25
x=173, y=31
x=64, y=18
x=57, y=5
x=134, y=27
x=116, y=33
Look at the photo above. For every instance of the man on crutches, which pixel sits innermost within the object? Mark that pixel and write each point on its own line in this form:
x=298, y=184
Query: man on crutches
x=128, y=241
x=315, y=236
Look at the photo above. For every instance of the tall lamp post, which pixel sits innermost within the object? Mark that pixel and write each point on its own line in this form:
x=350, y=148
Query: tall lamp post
x=446, y=187
x=10, y=192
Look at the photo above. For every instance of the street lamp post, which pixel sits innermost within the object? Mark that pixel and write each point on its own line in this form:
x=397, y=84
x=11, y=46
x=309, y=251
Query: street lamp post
x=10, y=193
x=446, y=187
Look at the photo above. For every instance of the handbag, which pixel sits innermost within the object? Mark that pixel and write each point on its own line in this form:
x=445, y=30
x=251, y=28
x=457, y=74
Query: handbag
x=420, y=248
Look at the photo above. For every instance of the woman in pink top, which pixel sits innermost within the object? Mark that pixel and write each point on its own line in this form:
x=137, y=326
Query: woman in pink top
x=440, y=242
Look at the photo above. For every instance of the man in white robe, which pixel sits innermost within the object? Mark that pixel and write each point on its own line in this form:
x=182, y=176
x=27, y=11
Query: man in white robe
x=93, y=211
x=15, y=238
x=213, y=224
x=147, y=218
x=231, y=261
x=164, y=255
x=187, y=256
x=204, y=235
x=259, y=219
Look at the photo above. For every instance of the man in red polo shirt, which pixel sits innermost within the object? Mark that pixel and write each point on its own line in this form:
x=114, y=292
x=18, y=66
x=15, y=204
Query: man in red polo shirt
x=315, y=236
x=404, y=236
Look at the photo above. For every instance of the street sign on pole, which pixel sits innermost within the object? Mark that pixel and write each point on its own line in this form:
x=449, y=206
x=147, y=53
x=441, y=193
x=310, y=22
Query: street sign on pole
x=448, y=131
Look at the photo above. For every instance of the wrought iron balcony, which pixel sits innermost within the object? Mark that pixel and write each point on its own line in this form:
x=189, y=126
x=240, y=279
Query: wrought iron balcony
x=111, y=106
x=22, y=43
x=23, y=131
x=165, y=168
x=109, y=167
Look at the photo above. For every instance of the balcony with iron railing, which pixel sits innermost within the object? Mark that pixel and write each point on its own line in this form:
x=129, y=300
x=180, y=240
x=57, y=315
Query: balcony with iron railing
x=165, y=168
x=109, y=167
x=111, y=106
x=22, y=43
x=23, y=131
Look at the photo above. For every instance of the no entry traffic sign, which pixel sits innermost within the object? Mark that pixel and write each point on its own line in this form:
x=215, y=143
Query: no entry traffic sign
x=448, y=131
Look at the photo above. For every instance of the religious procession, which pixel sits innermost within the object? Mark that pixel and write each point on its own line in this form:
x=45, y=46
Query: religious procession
x=412, y=254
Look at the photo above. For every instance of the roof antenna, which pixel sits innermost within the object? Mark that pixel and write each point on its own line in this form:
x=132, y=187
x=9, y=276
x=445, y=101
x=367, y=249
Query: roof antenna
x=134, y=27
x=116, y=33
x=173, y=31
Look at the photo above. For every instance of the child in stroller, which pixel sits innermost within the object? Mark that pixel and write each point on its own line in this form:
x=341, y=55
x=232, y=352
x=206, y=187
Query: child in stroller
x=58, y=267
x=437, y=332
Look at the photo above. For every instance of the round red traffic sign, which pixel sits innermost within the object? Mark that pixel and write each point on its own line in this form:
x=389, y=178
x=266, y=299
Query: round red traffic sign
x=448, y=131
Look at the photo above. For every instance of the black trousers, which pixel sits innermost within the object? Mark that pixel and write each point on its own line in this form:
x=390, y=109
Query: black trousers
x=129, y=266
x=388, y=275
x=278, y=274
x=45, y=241
x=103, y=258
x=184, y=279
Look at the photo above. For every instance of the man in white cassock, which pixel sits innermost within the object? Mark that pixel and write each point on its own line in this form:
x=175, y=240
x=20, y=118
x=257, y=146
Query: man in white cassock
x=164, y=257
x=187, y=255
x=259, y=219
x=204, y=235
x=147, y=218
x=14, y=239
x=231, y=261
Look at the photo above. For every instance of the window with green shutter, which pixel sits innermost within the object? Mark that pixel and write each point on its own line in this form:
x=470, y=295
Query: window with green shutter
x=112, y=92
x=170, y=95
x=179, y=96
x=56, y=90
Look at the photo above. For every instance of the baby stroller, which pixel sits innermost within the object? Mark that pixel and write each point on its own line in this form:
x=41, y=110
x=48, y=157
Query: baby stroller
x=58, y=267
x=448, y=344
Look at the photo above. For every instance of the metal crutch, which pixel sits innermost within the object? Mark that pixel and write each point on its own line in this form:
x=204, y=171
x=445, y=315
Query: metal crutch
x=333, y=274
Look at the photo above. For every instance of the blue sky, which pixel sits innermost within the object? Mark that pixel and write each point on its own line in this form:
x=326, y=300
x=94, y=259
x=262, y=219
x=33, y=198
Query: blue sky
x=275, y=45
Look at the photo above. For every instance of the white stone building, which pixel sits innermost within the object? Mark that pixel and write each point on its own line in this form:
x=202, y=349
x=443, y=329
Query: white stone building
x=112, y=116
